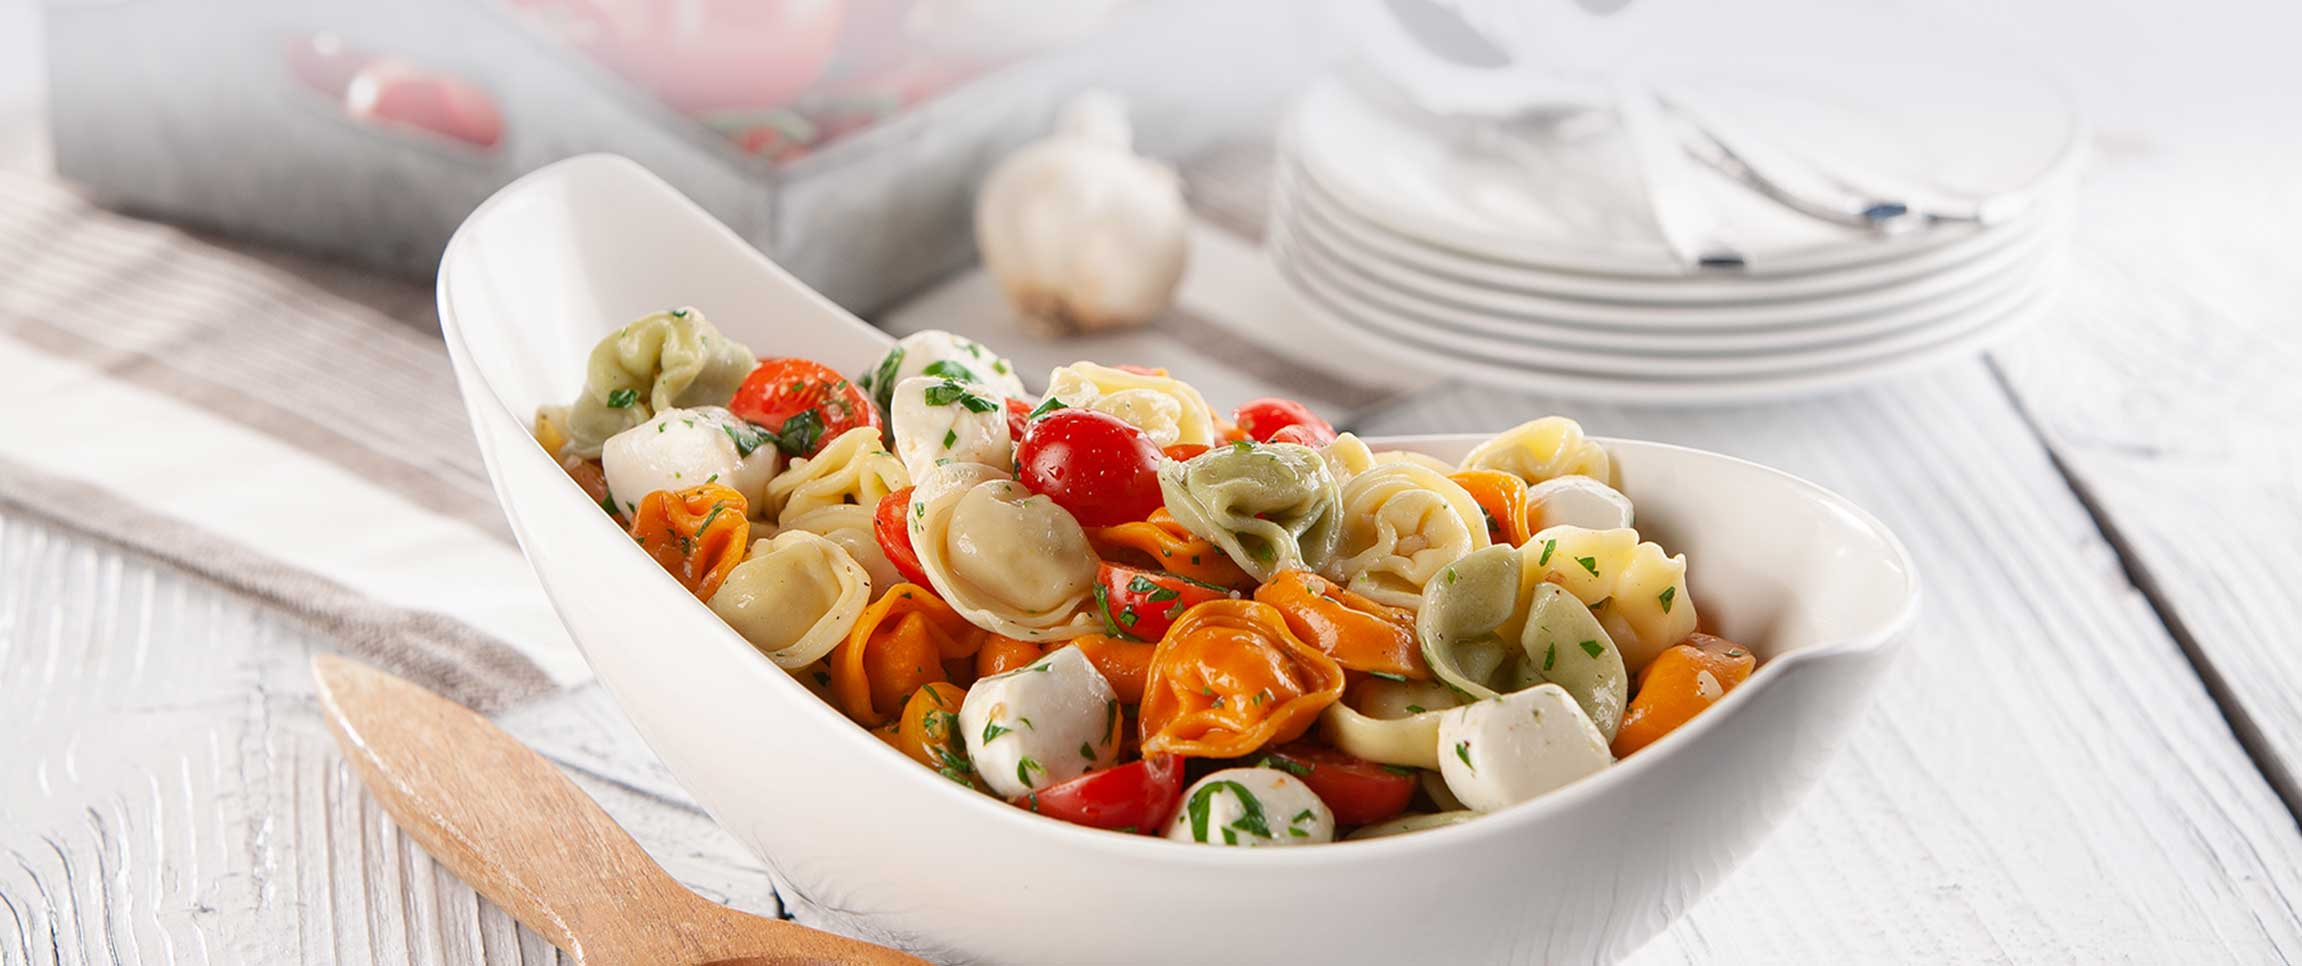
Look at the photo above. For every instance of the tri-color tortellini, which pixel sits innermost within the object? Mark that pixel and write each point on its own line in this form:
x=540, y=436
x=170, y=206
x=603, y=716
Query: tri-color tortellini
x=1112, y=605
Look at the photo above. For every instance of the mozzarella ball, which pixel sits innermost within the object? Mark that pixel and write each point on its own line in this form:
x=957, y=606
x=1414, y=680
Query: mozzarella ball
x=1042, y=724
x=682, y=448
x=1252, y=807
x=1517, y=747
x=955, y=356
x=939, y=421
x=1576, y=501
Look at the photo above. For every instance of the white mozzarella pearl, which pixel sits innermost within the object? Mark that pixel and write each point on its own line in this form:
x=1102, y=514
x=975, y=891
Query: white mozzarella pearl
x=1517, y=747
x=1577, y=501
x=682, y=448
x=928, y=434
x=1042, y=724
x=1251, y=807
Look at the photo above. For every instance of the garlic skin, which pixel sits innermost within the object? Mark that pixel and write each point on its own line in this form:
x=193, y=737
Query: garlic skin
x=1081, y=233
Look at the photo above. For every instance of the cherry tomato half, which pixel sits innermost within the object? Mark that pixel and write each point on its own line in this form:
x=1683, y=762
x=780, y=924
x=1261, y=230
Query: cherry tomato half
x=1096, y=465
x=1142, y=604
x=1139, y=796
x=1358, y=791
x=805, y=404
x=895, y=538
x=1263, y=419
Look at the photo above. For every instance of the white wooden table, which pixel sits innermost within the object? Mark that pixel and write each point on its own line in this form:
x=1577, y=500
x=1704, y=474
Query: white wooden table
x=2089, y=754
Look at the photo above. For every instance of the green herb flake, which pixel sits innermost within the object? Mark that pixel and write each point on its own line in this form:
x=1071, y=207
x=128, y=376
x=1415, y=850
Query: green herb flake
x=1288, y=765
x=1298, y=833
x=1251, y=821
x=1548, y=546
x=1024, y=768
x=950, y=437
x=992, y=729
x=799, y=433
x=1551, y=655
x=622, y=398
x=1110, y=720
x=1087, y=751
x=1666, y=596
x=1301, y=817
x=1463, y=751
x=1593, y=648
x=1389, y=675
x=1589, y=563
x=1242, y=446
x=1406, y=770
x=1450, y=577
x=1103, y=608
x=950, y=369
x=1415, y=709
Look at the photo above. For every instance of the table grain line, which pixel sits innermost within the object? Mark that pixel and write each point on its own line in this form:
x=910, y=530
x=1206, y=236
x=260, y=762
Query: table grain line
x=2249, y=733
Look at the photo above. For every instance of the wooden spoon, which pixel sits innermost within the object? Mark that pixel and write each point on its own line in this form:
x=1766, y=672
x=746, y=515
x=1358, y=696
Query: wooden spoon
x=506, y=821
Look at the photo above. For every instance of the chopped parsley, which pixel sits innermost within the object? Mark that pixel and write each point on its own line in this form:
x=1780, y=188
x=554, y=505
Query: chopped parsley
x=1450, y=576
x=1110, y=626
x=746, y=437
x=992, y=729
x=716, y=509
x=1251, y=819
x=1593, y=648
x=1027, y=723
x=679, y=313
x=1389, y=675
x=1548, y=546
x=1301, y=817
x=1111, y=720
x=799, y=433
x=949, y=369
x=1550, y=655
x=1589, y=563
x=1288, y=765
x=884, y=377
x=1665, y=597
x=1242, y=446
x=622, y=398
x=951, y=437
x=1463, y=751
x=1024, y=768
x=1415, y=709
x=1087, y=751
x=1051, y=404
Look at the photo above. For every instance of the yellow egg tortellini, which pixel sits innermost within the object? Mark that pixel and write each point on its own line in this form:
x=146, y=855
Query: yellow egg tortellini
x=1167, y=410
x=1638, y=592
x=795, y=597
x=1401, y=524
x=1008, y=560
x=1269, y=506
x=666, y=360
x=1543, y=449
x=854, y=469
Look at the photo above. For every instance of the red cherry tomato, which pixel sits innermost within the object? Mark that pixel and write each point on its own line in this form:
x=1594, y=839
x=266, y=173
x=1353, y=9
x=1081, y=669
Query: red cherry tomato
x=806, y=404
x=1142, y=604
x=887, y=525
x=1139, y=796
x=1018, y=419
x=1358, y=791
x=1093, y=464
x=1263, y=419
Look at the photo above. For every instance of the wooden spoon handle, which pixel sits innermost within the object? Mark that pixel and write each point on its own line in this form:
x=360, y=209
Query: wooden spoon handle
x=506, y=821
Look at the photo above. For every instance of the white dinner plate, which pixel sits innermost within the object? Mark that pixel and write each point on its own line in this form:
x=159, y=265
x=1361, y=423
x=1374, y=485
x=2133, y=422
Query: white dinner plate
x=1466, y=328
x=1294, y=192
x=1379, y=337
x=1571, y=200
x=1510, y=314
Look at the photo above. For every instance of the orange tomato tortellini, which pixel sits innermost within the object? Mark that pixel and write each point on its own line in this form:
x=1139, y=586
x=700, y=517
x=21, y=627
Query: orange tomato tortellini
x=1163, y=544
x=1504, y=497
x=1124, y=664
x=928, y=731
x=897, y=646
x=1230, y=678
x=698, y=534
x=1360, y=634
x=1678, y=684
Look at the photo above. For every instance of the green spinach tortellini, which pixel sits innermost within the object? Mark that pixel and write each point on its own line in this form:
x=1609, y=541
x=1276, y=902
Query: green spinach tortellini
x=1270, y=506
x=666, y=360
x=1490, y=626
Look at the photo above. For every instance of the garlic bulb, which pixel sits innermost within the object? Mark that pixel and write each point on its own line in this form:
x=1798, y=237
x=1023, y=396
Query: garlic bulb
x=1081, y=233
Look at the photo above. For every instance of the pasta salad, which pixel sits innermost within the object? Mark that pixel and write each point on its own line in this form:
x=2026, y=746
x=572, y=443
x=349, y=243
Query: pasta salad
x=1110, y=605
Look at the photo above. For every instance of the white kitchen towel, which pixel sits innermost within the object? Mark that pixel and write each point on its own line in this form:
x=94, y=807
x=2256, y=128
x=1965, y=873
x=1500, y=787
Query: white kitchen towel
x=228, y=416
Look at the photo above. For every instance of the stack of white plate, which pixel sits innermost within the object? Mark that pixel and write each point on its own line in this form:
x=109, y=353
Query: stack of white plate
x=1528, y=257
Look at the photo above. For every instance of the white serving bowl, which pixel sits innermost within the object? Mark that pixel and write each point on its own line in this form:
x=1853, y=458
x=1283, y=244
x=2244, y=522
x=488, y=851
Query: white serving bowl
x=861, y=840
